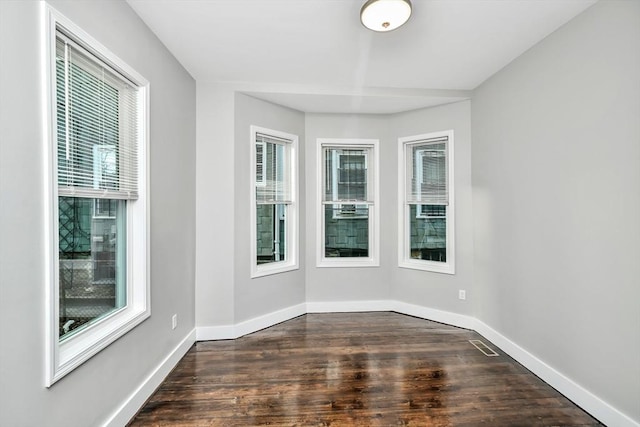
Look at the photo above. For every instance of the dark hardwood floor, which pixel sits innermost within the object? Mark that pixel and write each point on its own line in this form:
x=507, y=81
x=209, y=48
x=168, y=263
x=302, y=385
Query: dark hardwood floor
x=356, y=369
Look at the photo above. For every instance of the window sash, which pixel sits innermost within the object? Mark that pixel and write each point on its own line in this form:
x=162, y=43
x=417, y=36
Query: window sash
x=275, y=186
x=346, y=238
x=272, y=235
x=346, y=175
x=427, y=172
x=92, y=262
x=99, y=112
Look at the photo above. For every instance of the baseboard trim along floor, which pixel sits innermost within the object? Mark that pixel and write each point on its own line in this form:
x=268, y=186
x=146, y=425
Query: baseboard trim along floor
x=579, y=395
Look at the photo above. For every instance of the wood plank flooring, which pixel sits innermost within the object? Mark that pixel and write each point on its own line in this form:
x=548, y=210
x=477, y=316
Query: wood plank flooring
x=355, y=369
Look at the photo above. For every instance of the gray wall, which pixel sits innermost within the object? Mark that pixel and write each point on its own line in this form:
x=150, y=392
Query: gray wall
x=262, y=295
x=556, y=178
x=437, y=290
x=349, y=284
x=90, y=394
x=388, y=281
x=215, y=240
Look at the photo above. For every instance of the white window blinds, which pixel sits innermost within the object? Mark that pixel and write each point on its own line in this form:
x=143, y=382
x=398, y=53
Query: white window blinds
x=260, y=149
x=97, y=115
x=272, y=158
x=427, y=172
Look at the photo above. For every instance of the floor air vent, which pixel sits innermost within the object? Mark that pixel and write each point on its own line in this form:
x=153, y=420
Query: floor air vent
x=483, y=348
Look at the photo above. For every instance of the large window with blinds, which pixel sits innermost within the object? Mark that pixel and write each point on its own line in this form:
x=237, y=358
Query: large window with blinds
x=274, y=219
x=98, y=197
x=426, y=202
x=348, y=187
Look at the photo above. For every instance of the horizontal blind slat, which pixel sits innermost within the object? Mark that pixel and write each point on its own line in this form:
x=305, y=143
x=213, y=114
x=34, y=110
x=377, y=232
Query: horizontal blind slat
x=427, y=172
x=273, y=180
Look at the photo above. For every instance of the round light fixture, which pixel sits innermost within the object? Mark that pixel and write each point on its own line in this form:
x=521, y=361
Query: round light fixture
x=385, y=15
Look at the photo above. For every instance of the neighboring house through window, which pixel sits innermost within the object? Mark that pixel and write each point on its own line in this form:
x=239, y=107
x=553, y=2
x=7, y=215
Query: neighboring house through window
x=426, y=207
x=349, y=182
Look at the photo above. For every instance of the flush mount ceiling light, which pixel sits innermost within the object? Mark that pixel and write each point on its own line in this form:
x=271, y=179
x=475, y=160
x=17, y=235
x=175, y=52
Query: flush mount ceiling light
x=385, y=15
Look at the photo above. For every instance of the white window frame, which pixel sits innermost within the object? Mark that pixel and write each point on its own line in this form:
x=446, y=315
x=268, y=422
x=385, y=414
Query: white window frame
x=290, y=262
x=373, y=260
x=404, y=238
x=62, y=357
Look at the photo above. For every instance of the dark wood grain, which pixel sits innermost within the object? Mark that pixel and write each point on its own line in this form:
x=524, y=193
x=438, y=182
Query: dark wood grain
x=362, y=369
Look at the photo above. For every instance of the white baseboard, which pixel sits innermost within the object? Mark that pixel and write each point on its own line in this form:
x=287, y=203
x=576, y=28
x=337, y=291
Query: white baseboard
x=595, y=406
x=225, y=332
x=582, y=397
x=348, y=306
x=454, y=319
x=134, y=402
x=270, y=319
x=448, y=317
x=213, y=333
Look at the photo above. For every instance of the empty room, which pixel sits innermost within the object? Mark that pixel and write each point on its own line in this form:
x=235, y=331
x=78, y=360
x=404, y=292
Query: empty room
x=319, y=212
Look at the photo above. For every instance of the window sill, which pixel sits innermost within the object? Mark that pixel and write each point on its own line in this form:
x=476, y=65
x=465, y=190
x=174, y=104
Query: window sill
x=431, y=266
x=347, y=262
x=76, y=350
x=273, y=268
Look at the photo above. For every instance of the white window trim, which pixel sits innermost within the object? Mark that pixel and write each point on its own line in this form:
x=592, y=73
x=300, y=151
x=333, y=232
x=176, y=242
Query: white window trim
x=63, y=357
x=404, y=259
x=373, y=260
x=292, y=223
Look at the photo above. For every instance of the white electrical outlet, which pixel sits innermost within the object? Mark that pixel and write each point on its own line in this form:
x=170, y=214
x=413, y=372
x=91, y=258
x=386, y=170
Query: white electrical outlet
x=462, y=294
x=174, y=321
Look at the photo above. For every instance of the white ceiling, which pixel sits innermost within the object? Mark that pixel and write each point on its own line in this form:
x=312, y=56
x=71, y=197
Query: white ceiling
x=315, y=56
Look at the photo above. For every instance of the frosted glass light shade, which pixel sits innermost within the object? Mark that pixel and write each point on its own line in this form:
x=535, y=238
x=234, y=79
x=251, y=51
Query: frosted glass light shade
x=385, y=15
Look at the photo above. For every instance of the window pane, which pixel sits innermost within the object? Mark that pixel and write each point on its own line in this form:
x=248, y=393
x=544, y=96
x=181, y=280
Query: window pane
x=427, y=173
x=272, y=167
x=92, y=260
x=346, y=231
x=345, y=174
x=428, y=232
x=271, y=233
